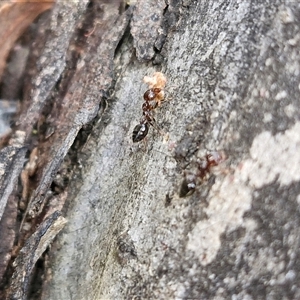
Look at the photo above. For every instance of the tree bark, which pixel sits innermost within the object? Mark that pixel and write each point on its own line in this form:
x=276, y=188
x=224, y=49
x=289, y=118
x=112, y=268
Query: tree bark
x=232, y=89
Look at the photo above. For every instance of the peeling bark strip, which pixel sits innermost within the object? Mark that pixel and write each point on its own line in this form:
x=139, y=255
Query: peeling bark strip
x=53, y=59
x=92, y=78
x=12, y=160
x=50, y=66
x=76, y=103
x=11, y=163
x=31, y=252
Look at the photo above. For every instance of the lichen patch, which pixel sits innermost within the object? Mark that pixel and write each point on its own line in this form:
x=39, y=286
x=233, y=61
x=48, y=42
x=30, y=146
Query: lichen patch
x=272, y=157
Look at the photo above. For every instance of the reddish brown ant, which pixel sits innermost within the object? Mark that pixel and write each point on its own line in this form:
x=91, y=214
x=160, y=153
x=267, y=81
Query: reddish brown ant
x=153, y=98
x=204, y=166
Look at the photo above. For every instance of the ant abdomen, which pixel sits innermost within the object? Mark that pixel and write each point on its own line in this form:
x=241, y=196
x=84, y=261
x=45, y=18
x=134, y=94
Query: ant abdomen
x=139, y=132
x=188, y=186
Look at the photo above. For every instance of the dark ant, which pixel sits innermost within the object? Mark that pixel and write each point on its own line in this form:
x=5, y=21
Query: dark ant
x=125, y=249
x=139, y=132
x=153, y=98
x=204, y=166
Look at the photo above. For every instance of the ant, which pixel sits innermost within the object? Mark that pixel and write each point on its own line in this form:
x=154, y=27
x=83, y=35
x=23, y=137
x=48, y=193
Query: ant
x=153, y=98
x=204, y=166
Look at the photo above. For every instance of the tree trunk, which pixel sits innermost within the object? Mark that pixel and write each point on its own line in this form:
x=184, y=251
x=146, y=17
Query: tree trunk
x=133, y=231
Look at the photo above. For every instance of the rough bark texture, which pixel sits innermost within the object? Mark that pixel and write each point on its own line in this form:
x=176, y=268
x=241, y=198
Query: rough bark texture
x=233, y=70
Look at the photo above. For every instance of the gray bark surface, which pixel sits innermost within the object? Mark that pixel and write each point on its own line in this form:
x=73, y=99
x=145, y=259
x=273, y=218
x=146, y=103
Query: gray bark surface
x=233, y=71
x=233, y=84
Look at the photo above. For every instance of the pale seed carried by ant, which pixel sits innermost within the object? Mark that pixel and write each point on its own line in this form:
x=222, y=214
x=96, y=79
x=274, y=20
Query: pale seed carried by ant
x=157, y=80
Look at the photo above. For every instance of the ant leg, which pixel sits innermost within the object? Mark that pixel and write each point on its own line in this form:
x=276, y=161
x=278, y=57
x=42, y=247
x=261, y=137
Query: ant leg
x=145, y=143
x=156, y=127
